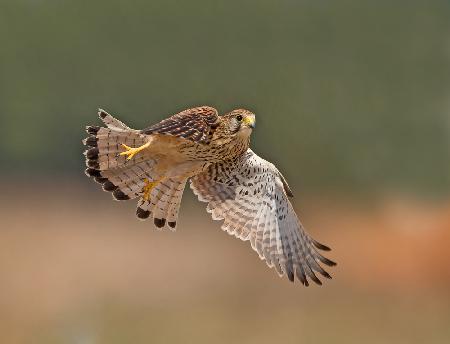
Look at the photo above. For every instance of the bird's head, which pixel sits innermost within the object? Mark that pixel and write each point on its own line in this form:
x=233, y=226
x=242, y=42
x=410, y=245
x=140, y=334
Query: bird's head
x=240, y=122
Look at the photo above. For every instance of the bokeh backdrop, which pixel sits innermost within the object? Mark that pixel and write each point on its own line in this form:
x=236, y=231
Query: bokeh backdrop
x=353, y=104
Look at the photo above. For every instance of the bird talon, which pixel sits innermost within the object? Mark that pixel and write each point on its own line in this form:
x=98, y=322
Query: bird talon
x=131, y=152
x=148, y=187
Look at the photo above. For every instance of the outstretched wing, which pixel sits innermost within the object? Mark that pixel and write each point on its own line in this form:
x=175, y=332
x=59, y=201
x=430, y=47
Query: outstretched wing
x=196, y=124
x=249, y=194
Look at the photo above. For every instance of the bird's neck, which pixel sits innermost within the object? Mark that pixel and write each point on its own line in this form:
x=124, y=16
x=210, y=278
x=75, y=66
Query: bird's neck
x=238, y=146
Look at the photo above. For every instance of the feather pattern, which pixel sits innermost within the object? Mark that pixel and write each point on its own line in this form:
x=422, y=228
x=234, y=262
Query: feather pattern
x=251, y=196
x=247, y=193
x=164, y=203
x=196, y=124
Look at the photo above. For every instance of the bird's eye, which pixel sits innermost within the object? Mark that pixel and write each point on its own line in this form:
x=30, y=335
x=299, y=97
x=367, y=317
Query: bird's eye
x=239, y=117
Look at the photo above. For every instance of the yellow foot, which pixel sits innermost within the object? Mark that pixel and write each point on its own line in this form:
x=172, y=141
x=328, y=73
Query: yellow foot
x=148, y=187
x=131, y=152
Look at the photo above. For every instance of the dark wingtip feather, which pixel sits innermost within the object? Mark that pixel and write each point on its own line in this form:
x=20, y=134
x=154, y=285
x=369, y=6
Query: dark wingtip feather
x=100, y=180
x=289, y=268
x=326, y=275
x=92, y=153
x=93, y=164
x=92, y=129
x=290, y=275
x=159, y=222
x=320, y=246
x=119, y=195
x=90, y=141
x=108, y=186
x=301, y=275
x=327, y=261
x=172, y=224
x=316, y=280
x=142, y=214
x=92, y=172
x=312, y=275
x=102, y=113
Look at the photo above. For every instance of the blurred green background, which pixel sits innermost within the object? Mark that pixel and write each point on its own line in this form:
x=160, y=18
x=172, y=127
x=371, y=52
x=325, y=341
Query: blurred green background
x=353, y=103
x=351, y=95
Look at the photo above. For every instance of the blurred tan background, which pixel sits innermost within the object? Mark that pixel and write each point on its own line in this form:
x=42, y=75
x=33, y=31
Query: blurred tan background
x=353, y=105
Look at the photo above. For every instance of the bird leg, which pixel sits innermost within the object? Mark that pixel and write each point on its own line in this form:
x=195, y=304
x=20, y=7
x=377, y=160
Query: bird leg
x=131, y=152
x=148, y=187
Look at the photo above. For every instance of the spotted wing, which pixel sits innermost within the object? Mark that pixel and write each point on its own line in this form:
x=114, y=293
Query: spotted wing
x=250, y=196
x=196, y=124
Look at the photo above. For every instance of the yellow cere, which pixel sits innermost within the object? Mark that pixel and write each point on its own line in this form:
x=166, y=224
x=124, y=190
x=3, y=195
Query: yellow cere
x=249, y=120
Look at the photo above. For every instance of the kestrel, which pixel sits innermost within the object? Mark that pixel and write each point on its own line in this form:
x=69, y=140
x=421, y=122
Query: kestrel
x=212, y=151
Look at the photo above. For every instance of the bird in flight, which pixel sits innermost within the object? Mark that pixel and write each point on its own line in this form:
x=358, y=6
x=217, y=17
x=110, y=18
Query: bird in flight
x=213, y=153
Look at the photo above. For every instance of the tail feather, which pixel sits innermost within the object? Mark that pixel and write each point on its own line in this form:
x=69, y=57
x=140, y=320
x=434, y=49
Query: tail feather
x=126, y=179
x=110, y=121
x=132, y=179
x=109, y=144
x=174, y=204
x=104, y=163
x=163, y=204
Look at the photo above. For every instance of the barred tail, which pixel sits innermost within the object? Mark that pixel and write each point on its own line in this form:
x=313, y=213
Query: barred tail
x=126, y=179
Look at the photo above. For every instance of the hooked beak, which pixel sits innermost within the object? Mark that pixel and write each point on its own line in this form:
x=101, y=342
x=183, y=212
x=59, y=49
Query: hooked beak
x=250, y=122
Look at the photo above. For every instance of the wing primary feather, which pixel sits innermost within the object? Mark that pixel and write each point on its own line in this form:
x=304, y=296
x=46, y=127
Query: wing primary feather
x=319, y=245
x=251, y=196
